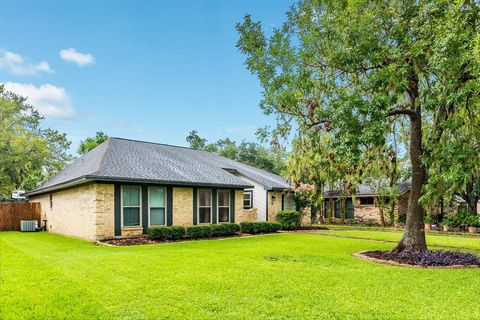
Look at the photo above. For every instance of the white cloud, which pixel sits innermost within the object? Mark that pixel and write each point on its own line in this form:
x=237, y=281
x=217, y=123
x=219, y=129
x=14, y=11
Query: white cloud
x=17, y=65
x=72, y=55
x=49, y=100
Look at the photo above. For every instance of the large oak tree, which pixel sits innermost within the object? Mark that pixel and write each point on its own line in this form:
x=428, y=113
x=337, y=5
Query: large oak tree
x=350, y=69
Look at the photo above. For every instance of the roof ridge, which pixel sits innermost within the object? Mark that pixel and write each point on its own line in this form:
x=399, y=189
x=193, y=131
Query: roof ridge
x=100, y=163
x=157, y=143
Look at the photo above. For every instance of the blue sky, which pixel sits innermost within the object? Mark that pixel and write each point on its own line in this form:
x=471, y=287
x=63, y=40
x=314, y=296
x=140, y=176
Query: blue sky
x=150, y=70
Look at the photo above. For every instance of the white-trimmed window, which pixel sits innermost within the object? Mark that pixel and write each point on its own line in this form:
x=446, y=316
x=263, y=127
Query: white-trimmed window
x=157, y=206
x=247, y=199
x=204, y=206
x=223, y=206
x=131, y=206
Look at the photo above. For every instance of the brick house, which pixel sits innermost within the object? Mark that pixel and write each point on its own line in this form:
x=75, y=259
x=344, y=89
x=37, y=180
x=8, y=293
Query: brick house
x=363, y=207
x=124, y=186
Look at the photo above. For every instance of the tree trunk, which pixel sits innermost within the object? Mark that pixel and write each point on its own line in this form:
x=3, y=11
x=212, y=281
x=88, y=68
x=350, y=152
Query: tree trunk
x=414, y=235
x=380, y=210
x=472, y=204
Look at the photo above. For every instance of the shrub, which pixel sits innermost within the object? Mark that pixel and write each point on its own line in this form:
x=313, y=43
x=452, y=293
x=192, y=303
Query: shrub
x=197, y=232
x=248, y=227
x=231, y=228
x=472, y=221
x=449, y=221
x=178, y=232
x=166, y=233
x=259, y=227
x=428, y=219
x=224, y=229
x=289, y=219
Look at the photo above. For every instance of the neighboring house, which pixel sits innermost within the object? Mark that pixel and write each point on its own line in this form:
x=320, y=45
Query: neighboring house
x=123, y=186
x=362, y=207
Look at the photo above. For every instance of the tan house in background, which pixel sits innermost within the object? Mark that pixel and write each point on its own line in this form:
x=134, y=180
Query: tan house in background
x=123, y=186
x=363, y=208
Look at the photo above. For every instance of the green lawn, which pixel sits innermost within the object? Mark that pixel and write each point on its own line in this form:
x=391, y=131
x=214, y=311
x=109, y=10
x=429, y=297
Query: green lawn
x=302, y=276
x=464, y=242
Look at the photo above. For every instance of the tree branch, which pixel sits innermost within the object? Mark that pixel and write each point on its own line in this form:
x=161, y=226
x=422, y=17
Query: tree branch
x=407, y=112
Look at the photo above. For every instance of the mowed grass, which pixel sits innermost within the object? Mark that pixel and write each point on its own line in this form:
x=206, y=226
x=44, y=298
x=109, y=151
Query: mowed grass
x=454, y=241
x=282, y=276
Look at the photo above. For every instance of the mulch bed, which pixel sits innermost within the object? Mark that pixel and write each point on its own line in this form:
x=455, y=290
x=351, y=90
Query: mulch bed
x=133, y=241
x=438, y=258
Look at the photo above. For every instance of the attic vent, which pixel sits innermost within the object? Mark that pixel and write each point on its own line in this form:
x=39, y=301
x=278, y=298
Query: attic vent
x=232, y=171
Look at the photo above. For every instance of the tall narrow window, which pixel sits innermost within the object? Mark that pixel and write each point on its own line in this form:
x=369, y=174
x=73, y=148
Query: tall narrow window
x=156, y=205
x=247, y=199
x=223, y=205
x=204, y=206
x=131, y=205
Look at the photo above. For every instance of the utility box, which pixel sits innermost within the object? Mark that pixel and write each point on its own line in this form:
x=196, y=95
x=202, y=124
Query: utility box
x=28, y=225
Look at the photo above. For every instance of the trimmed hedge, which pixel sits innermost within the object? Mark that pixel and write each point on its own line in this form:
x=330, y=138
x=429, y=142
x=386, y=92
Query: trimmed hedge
x=198, y=232
x=166, y=233
x=289, y=219
x=259, y=227
x=224, y=229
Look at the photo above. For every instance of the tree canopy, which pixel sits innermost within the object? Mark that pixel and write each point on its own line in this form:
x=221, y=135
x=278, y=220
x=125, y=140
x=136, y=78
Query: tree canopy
x=29, y=153
x=271, y=159
x=91, y=142
x=346, y=72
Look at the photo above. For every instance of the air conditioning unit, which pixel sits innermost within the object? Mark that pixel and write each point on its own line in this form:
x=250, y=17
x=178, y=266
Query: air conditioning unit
x=28, y=225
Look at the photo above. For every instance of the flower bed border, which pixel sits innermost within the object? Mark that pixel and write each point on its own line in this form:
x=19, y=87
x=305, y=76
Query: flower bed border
x=362, y=256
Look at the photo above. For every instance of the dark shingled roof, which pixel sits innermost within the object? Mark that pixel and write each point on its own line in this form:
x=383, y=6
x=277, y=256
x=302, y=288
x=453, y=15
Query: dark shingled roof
x=120, y=159
x=365, y=191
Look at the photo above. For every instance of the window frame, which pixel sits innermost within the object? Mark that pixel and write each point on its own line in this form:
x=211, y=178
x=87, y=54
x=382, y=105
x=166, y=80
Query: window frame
x=150, y=207
x=251, y=199
x=366, y=204
x=228, y=206
x=198, y=206
x=139, y=206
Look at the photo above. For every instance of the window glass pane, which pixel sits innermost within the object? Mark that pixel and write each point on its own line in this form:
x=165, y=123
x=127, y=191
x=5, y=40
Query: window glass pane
x=247, y=196
x=131, y=196
x=157, y=216
x=246, y=203
x=131, y=217
x=223, y=198
x=205, y=198
x=157, y=197
x=204, y=215
x=223, y=214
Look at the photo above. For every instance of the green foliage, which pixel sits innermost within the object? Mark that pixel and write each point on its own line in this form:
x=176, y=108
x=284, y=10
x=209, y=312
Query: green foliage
x=288, y=219
x=91, y=143
x=198, y=232
x=355, y=77
x=195, y=141
x=29, y=153
x=166, y=233
x=259, y=227
x=429, y=219
x=224, y=229
x=270, y=159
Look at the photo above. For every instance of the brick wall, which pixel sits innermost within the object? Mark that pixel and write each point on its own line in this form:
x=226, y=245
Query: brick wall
x=182, y=206
x=274, y=199
x=73, y=211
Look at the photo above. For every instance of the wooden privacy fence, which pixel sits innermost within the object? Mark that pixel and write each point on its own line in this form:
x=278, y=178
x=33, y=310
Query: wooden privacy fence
x=12, y=212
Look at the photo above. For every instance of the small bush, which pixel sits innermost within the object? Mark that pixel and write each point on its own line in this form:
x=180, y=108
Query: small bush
x=198, y=232
x=289, y=219
x=166, y=233
x=429, y=219
x=224, y=229
x=248, y=227
x=178, y=232
x=218, y=230
x=259, y=227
